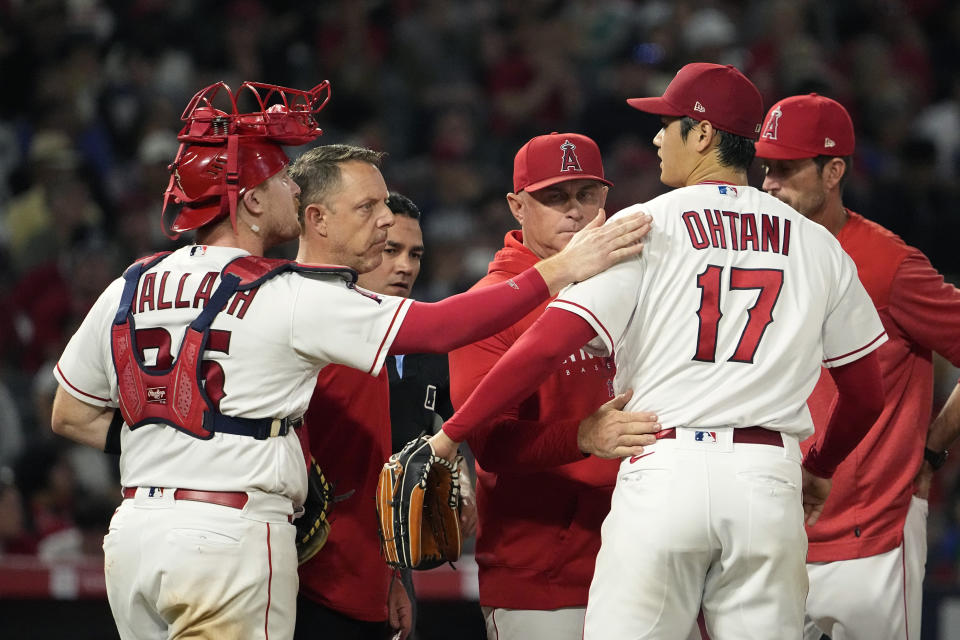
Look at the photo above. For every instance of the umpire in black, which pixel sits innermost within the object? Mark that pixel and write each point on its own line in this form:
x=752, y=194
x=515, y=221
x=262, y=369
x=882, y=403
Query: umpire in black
x=419, y=383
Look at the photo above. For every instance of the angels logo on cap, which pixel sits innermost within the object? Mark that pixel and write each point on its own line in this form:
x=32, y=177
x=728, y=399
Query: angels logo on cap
x=535, y=165
x=570, y=161
x=773, y=123
x=806, y=126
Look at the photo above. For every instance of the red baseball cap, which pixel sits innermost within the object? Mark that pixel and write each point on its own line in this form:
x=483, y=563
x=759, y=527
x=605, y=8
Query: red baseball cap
x=557, y=157
x=715, y=92
x=806, y=127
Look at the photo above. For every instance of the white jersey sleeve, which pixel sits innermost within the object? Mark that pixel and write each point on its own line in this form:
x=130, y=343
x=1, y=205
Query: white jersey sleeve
x=852, y=328
x=600, y=301
x=85, y=369
x=605, y=301
x=345, y=324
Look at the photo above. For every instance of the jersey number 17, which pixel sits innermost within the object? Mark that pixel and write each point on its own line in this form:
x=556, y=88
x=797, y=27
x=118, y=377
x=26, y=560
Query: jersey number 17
x=759, y=316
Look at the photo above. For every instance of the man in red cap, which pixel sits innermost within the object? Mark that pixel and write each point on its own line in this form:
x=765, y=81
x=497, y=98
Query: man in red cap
x=201, y=363
x=868, y=549
x=720, y=326
x=534, y=484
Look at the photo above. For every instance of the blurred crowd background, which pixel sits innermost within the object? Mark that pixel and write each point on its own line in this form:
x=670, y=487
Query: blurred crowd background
x=93, y=91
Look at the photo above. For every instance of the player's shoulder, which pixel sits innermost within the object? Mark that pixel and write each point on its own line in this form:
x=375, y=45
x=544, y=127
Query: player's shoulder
x=863, y=230
x=655, y=204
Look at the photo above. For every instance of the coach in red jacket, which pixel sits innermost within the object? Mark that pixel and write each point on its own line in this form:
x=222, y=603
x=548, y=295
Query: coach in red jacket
x=868, y=549
x=540, y=500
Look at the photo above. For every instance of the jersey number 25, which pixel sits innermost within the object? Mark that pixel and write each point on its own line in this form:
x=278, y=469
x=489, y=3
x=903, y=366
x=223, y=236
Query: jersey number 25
x=211, y=373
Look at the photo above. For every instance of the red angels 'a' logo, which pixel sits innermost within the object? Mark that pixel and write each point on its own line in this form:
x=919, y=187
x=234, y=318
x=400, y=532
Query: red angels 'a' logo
x=772, y=124
x=570, y=161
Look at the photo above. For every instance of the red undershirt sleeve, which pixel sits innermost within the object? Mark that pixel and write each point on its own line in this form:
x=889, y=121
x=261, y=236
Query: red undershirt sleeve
x=537, y=353
x=439, y=327
x=859, y=404
x=508, y=444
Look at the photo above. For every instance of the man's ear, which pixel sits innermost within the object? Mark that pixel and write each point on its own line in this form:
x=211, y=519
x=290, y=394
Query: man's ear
x=705, y=135
x=253, y=206
x=251, y=200
x=515, y=202
x=316, y=216
x=833, y=172
x=604, y=190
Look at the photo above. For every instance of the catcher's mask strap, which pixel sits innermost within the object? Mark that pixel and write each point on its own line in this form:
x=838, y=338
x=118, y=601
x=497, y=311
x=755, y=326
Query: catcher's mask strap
x=172, y=167
x=233, y=178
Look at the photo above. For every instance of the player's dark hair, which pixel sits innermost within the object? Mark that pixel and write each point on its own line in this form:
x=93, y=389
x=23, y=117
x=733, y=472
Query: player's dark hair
x=847, y=161
x=317, y=172
x=732, y=150
x=401, y=205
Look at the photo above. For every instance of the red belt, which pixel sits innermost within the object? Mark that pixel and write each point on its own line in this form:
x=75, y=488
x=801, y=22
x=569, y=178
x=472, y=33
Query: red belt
x=235, y=499
x=741, y=435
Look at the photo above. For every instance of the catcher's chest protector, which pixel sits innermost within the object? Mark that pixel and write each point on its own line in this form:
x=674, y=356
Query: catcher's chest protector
x=176, y=396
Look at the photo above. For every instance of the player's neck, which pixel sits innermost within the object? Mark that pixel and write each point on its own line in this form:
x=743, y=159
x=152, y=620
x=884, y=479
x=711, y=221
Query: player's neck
x=833, y=216
x=223, y=235
x=315, y=251
x=716, y=173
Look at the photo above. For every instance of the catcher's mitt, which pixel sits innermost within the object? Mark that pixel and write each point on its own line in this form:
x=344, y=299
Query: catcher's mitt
x=418, y=501
x=313, y=525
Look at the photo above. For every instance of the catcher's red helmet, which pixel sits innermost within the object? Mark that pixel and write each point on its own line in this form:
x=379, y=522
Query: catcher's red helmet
x=224, y=153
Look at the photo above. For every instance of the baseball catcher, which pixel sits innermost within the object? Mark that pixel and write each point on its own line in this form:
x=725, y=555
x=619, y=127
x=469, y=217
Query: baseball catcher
x=418, y=501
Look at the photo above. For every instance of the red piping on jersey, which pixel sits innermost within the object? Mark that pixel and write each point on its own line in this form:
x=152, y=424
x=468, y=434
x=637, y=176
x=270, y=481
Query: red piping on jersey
x=70, y=384
x=574, y=304
x=732, y=184
x=385, y=336
x=266, y=618
x=866, y=346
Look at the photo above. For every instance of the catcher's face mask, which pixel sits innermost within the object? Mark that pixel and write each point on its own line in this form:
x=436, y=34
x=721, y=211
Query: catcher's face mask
x=223, y=153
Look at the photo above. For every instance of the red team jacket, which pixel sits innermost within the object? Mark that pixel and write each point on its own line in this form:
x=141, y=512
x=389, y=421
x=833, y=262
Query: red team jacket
x=349, y=431
x=540, y=502
x=871, y=493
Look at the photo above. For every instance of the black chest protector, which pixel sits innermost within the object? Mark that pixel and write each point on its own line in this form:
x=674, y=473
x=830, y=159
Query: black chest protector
x=176, y=396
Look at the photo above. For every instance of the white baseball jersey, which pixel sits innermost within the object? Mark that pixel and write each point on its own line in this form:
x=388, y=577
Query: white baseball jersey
x=727, y=315
x=262, y=359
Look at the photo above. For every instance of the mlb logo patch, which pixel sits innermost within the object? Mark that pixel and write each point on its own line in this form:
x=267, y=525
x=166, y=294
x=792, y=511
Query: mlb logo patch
x=726, y=189
x=705, y=436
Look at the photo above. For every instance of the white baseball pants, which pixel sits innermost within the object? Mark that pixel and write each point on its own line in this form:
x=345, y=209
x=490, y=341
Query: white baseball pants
x=879, y=596
x=534, y=624
x=701, y=521
x=185, y=569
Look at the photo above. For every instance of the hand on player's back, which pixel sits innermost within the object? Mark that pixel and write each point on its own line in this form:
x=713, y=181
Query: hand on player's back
x=595, y=248
x=610, y=432
x=815, y=492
